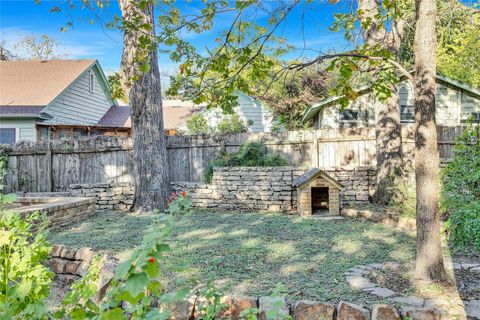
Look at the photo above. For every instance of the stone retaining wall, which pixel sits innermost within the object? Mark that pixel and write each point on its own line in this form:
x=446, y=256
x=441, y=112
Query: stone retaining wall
x=270, y=188
x=245, y=188
x=109, y=196
x=302, y=309
x=60, y=211
x=239, y=188
x=70, y=264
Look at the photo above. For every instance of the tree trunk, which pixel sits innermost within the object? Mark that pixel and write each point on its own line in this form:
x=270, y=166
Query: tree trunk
x=387, y=114
x=389, y=147
x=150, y=161
x=429, y=260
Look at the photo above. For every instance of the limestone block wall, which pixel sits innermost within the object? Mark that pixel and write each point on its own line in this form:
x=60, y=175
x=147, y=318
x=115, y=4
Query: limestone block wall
x=60, y=211
x=70, y=264
x=270, y=188
x=239, y=188
x=109, y=196
x=359, y=184
x=244, y=188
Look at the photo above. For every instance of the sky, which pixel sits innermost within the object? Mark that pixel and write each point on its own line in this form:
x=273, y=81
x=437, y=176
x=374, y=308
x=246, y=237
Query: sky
x=306, y=26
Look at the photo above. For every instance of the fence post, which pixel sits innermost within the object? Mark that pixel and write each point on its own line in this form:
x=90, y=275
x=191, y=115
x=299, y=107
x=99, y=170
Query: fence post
x=315, y=160
x=48, y=167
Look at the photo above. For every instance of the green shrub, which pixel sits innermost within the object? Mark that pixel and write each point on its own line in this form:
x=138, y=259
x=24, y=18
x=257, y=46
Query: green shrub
x=251, y=154
x=232, y=124
x=197, y=124
x=404, y=198
x=461, y=190
x=24, y=280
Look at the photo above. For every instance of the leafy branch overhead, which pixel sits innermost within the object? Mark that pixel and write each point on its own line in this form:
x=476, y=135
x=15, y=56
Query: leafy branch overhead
x=252, y=55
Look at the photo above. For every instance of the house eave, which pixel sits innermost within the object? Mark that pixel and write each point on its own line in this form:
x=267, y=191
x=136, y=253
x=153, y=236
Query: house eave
x=318, y=107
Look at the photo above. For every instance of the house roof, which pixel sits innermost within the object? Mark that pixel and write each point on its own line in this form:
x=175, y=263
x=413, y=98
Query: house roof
x=37, y=83
x=116, y=116
x=312, y=174
x=23, y=111
x=316, y=108
x=173, y=114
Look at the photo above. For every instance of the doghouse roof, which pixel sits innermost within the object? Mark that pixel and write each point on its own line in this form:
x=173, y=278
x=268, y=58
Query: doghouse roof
x=313, y=174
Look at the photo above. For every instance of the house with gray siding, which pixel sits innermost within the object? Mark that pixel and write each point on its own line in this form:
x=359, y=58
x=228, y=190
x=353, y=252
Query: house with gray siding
x=57, y=99
x=252, y=112
x=455, y=102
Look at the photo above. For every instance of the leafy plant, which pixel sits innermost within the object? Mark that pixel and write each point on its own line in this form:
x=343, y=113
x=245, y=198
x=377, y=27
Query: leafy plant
x=136, y=291
x=24, y=280
x=251, y=154
x=404, y=198
x=197, y=124
x=232, y=123
x=213, y=305
x=461, y=190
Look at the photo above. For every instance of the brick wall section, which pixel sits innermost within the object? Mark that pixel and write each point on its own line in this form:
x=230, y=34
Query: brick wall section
x=270, y=188
x=109, y=196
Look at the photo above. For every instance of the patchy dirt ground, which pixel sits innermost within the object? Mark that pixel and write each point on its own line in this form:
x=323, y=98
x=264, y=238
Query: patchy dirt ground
x=465, y=283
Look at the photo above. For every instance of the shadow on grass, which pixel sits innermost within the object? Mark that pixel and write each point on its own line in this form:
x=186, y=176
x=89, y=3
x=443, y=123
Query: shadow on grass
x=251, y=253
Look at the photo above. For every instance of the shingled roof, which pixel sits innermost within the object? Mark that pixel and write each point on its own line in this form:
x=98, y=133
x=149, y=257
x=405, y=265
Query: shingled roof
x=116, y=116
x=37, y=83
x=312, y=174
x=173, y=115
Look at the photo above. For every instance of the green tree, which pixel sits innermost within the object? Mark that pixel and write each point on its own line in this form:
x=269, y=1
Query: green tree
x=197, y=124
x=231, y=123
x=290, y=99
x=458, y=42
x=429, y=264
x=461, y=190
x=244, y=57
x=141, y=73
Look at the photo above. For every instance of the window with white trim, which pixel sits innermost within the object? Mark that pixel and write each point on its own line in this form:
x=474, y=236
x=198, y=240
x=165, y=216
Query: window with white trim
x=407, y=113
x=7, y=135
x=91, y=82
x=352, y=117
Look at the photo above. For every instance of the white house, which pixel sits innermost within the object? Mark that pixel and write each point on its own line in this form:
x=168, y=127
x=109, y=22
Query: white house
x=455, y=102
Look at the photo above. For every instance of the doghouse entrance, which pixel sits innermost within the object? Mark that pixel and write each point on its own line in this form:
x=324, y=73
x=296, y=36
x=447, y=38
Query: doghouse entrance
x=320, y=200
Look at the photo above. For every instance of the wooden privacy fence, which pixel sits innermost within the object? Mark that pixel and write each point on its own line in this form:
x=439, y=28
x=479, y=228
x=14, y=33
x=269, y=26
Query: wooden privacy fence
x=53, y=166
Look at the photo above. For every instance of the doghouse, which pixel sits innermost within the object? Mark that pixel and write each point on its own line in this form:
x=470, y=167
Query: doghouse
x=317, y=193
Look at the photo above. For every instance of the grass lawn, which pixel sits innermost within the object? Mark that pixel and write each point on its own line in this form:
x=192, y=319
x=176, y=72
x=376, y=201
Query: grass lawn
x=252, y=252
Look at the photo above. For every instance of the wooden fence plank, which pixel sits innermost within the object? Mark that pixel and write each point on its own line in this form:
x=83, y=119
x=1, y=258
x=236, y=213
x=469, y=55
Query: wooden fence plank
x=36, y=167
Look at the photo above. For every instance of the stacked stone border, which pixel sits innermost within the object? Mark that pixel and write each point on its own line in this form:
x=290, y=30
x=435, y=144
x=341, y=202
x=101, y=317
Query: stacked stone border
x=60, y=211
x=302, y=309
x=235, y=188
x=109, y=196
x=70, y=264
x=270, y=188
x=412, y=306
